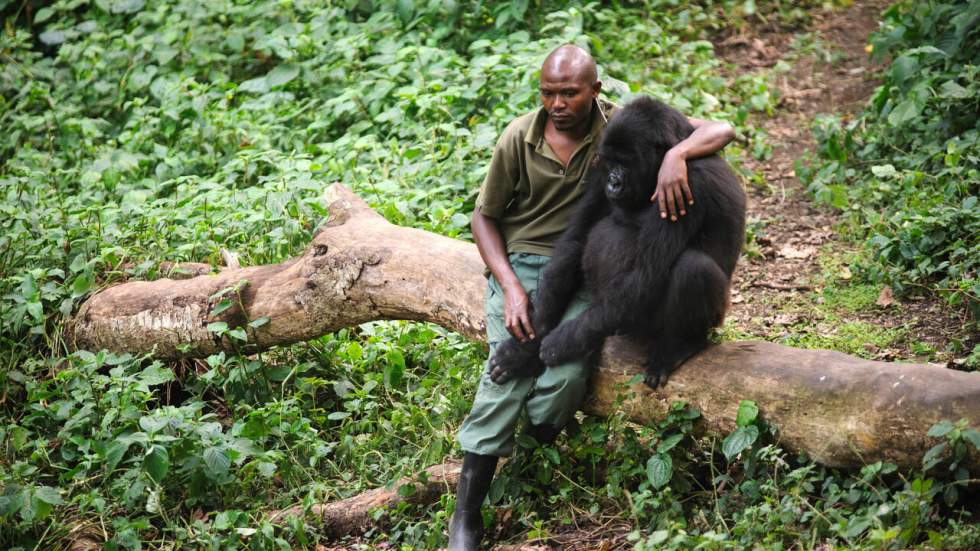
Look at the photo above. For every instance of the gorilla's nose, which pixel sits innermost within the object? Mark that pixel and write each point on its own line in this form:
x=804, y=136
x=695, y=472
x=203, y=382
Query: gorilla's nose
x=614, y=186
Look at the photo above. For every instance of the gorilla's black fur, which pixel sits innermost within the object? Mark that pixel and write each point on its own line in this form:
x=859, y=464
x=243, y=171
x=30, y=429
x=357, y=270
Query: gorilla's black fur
x=661, y=281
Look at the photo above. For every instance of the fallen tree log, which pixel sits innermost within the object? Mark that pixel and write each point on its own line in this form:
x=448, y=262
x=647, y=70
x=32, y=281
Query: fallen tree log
x=355, y=515
x=842, y=411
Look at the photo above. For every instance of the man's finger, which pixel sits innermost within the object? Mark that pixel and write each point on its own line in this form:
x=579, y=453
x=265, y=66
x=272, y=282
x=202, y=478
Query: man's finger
x=687, y=193
x=527, y=327
x=671, y=206
x=517, y=331
x=514, y=328
x=662, y=202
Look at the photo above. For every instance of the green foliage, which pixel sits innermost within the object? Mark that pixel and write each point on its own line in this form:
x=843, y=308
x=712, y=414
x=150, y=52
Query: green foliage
x=906, y=170
x=144, y=131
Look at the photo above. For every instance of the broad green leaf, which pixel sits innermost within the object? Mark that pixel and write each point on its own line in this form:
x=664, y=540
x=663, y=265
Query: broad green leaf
x=156, y=463
x=740, y=439
x=221, y=307
x=950, y=89
x=933, y=456
x=552, y=454
x=394, y=369
x=904, y=68
x=127, y=6
x=904, y=112
x=972, y=436
x=668, y=443
x=36, y=310
x=281, y=75
x=217, y=461
x=266, y=469
x=255, y=85
x=747, y=413
x=156, y=374
x=152, y=424
x=53, y=37
x=660, y=469
x=48, y=495
x=43, y=15
x=940, y=429
x=114, y=453
x=256, y=323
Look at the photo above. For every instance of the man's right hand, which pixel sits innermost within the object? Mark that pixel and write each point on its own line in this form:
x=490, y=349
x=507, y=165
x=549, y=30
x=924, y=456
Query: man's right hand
x=517, y=312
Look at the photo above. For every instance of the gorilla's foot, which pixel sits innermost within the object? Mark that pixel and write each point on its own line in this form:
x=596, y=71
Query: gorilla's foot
x=561, y=346
x=514, y=360
x=666, y=356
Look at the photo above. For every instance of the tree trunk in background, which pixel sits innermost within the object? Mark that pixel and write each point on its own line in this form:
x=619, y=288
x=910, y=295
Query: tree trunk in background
x=840, y=410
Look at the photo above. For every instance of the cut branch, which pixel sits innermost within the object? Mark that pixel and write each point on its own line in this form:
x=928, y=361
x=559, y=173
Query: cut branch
x=842, y=411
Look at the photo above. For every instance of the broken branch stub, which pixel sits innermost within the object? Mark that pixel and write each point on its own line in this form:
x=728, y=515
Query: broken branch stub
x=842, y=411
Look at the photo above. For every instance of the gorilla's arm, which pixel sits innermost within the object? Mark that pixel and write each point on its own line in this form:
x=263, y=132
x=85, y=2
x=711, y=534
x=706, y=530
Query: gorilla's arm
x=560, y=280
x=562, y=276
x=630, y=293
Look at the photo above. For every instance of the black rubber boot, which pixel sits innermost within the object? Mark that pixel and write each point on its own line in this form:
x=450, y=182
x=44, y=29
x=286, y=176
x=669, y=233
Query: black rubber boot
x=466, y=526
x=544, y=434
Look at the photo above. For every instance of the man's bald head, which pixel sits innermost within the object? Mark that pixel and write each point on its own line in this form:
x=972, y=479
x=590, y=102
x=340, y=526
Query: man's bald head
x=569, y=85
x=570, y=62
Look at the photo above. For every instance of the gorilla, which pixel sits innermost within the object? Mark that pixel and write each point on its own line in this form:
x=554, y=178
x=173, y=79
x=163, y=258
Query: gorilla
x=662, y=282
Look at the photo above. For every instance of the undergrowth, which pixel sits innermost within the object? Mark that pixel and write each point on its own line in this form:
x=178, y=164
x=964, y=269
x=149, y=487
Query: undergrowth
x=143, y=131
x=905, y=172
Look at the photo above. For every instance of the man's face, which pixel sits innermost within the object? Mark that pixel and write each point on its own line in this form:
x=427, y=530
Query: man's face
x=567, y=98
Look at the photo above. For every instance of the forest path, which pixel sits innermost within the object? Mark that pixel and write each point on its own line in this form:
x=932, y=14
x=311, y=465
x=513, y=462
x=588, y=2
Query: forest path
x=779, y=286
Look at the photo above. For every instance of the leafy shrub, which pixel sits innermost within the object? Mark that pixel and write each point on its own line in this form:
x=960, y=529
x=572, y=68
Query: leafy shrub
x=906, y=171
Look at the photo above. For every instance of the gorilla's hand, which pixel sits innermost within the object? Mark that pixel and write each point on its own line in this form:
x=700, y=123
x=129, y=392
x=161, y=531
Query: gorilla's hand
x=563, y=345
x=513, y=360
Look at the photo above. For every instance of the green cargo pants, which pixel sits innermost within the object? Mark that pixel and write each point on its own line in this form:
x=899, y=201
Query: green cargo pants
x=550, y=399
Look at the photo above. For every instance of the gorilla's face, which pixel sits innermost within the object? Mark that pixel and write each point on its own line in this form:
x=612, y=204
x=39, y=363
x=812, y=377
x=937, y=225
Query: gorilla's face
x=623, y=179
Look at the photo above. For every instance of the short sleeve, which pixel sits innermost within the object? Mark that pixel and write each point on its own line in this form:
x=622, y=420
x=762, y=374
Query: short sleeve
x=503, y=176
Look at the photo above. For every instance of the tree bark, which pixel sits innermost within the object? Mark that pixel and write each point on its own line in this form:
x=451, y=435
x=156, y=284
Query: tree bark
x=842, y=411
x=355, y=515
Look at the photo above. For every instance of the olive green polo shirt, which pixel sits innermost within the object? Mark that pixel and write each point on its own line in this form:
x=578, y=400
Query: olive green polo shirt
x=528, y=190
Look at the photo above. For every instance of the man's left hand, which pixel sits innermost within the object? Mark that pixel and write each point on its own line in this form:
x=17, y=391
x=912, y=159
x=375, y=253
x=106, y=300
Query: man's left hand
x=672, y=190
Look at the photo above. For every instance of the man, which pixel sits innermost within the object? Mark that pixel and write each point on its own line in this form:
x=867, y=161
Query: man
x=536, y=176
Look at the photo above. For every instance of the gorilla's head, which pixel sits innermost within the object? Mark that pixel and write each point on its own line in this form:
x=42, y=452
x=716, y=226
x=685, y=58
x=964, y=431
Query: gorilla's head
x=632, y=149
x=625, y=179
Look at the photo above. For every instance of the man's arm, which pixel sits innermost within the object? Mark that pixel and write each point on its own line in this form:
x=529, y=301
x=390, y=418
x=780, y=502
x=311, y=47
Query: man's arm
x=709, y=137
x=490, y=243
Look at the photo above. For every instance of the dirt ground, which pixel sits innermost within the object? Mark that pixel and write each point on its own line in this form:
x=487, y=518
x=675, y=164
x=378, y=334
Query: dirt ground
x=774, y=288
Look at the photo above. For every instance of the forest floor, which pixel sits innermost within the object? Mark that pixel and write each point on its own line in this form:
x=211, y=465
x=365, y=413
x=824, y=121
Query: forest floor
x=795, y=285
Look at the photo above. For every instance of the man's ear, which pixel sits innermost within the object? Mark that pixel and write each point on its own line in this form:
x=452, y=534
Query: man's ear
x=596, y=88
